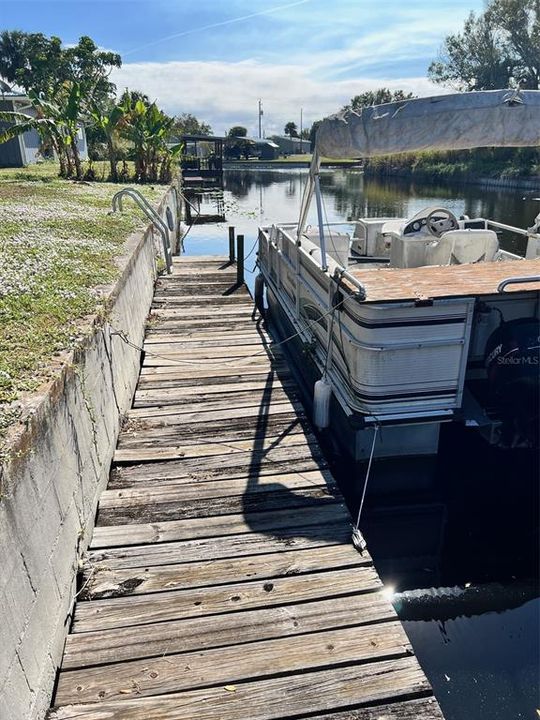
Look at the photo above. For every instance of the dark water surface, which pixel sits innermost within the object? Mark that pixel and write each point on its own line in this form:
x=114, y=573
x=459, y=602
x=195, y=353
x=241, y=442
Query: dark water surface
x=479, y=641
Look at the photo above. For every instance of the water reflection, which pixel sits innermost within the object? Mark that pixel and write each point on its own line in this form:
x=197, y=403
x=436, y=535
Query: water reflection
x=349, y=195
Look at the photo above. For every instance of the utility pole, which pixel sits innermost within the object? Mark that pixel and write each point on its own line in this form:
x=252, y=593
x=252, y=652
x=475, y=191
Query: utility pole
x=260, y=118
x=301, y=127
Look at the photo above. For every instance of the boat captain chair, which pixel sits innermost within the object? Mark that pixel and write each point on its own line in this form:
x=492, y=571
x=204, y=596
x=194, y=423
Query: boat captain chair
x=459, y=247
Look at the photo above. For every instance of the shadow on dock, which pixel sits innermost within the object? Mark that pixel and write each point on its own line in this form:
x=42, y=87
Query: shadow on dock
x=317, y=489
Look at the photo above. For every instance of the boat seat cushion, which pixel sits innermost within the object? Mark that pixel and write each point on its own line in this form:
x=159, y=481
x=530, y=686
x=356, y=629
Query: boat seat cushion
x=338, y=245
x=460, y=247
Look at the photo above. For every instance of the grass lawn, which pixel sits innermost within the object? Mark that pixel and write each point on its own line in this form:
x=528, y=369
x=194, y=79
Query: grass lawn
x=58, y=243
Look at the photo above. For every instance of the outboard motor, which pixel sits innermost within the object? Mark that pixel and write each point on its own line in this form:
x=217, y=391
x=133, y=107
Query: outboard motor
x=512, y=362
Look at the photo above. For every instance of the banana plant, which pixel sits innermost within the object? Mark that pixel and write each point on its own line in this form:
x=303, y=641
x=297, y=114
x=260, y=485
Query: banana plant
x=57, y=121
x=109, y=121
x=69, y=112
x=47, y=128
x=148, y=128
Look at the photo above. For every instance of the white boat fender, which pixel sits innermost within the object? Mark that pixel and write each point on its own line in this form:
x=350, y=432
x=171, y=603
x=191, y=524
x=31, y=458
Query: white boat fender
x=322, y=393
x=259, y=295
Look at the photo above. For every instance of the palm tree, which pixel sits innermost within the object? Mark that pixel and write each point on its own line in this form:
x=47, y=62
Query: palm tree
x=291, y=129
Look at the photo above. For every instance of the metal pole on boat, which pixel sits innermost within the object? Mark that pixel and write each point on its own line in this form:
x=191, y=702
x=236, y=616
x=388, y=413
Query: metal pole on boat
x=308, y=195
x=320, y=218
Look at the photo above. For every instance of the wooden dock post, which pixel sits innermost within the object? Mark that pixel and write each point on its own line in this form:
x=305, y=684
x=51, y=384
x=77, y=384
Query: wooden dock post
x=240, y=260
x=231, y=243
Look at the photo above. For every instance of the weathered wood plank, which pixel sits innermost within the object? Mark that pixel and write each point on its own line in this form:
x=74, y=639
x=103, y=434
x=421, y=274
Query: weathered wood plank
x=241, y=337
x=226, y=326
x=209, y=345
x=206, y=301
x=198, y=289
x=177, y=414
x=214, y=313
x=425, y=708
x=120, y=644
x=201, y=357
x=100, y=581
x=255, y=543
x=164, y=492
x=108, y=536
x=190, y=376
x=175, y=377
x=259, y=401
x=147, y=435
x=188, y=261
x=180, y=436
x=175, y=510
x=243, y=428
x=157, y=452
x=270, y=699
x=227, y=393
x=275, y=461
x=158, y=607
x=174, y=673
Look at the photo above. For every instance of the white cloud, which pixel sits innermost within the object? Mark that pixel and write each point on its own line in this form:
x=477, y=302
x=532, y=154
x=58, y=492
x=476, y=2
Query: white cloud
x=226, y=93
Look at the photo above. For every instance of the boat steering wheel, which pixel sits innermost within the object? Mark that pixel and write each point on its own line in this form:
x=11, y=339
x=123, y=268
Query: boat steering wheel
x=438, y=225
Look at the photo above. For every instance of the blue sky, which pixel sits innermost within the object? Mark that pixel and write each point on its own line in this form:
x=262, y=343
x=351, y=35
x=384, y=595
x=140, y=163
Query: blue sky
x=215, y=58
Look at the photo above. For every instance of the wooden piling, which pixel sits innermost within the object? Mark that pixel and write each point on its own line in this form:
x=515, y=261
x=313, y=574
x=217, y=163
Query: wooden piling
x=240, y=260
x=231, y=244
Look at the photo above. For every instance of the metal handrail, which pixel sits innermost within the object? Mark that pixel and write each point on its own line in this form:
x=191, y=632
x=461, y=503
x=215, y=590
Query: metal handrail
x=149, y=211
x=136, y=194
x=517, y=281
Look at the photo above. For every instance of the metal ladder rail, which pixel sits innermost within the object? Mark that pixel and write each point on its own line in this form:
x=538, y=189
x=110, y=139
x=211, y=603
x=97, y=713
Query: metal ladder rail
x=149, y=211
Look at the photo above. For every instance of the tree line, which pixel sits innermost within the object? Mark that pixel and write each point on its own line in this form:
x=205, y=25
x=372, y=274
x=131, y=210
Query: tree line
x=68, y=88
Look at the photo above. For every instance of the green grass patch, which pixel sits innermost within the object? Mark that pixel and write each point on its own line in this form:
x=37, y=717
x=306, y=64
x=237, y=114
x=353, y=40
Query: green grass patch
x=58, y=243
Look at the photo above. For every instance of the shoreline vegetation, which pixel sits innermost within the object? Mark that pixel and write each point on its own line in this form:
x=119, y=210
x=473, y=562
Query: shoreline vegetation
x=300, y=160
x=497, y=167
x=59, y=245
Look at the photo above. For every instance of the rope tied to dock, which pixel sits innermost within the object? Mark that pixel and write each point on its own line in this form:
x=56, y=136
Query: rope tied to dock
x=234, y=362
x=357, y=537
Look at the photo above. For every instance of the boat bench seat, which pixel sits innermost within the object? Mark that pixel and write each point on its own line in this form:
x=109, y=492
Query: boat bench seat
x=459, y=247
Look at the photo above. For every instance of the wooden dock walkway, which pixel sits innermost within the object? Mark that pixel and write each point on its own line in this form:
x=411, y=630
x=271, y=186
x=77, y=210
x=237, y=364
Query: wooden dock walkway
x=221, y=583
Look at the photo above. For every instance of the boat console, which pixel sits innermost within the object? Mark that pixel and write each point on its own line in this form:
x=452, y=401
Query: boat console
x=434, y=236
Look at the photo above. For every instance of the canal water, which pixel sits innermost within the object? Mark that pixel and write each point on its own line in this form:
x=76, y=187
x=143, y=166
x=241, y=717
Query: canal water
x=460, y=562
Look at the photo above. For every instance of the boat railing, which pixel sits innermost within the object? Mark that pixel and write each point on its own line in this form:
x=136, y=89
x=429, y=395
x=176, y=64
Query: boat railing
x=517, y=281
x=339, y=271
x=533, y=238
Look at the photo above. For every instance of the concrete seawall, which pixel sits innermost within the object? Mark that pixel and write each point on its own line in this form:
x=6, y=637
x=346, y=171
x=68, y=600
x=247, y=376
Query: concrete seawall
x=57, y=465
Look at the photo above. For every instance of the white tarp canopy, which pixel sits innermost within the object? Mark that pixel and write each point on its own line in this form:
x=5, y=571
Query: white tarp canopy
x=445, y=122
